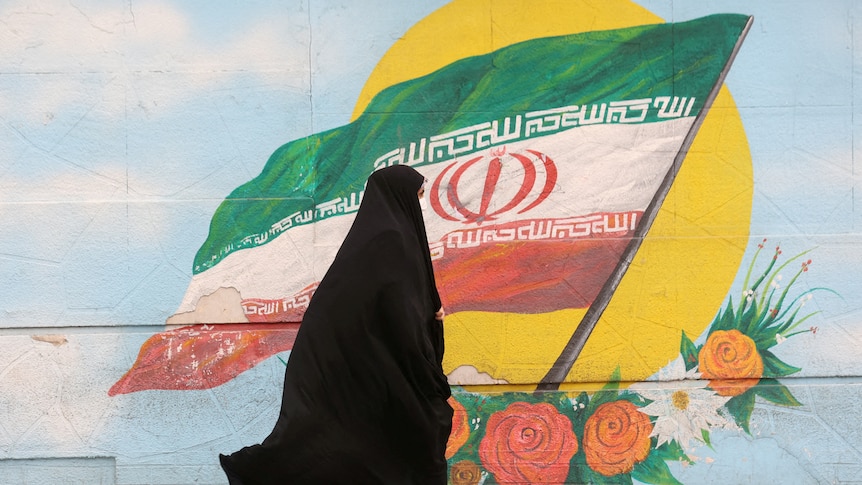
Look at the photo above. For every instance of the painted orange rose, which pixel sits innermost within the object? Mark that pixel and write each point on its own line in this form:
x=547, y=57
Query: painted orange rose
x=460, y=428
x=616, y=437
x=528, y=443
x=465, y=473
x=729, y=359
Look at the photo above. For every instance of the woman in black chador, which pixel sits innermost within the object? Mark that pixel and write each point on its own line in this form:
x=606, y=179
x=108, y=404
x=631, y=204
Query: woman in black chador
x=364, y=391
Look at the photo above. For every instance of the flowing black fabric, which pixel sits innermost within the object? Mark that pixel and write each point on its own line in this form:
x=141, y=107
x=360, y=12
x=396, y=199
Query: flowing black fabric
x=364, y=391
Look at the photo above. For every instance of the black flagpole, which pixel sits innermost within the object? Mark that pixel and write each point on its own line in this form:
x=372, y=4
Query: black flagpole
x=558, y=372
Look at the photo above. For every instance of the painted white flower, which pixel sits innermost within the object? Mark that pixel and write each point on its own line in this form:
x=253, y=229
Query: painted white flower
x=776, y=282
x=682, y=405
x=780, y=339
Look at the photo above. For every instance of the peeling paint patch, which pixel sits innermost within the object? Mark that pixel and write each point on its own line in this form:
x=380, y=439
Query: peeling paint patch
x=55, y=340
x=221, y=306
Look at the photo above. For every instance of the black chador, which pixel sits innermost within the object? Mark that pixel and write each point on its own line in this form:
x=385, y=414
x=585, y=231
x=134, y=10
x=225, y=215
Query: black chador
x=364, y=391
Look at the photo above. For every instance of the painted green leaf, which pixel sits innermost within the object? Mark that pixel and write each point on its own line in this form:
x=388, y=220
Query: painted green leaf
x=621, y=479
x=765, y=338
x=726, y=320
x=776, y=392
x=608, y=393
x=774, y=367
x=654, y=470
x=579, y=471
x=704, y=433
x=688, y=351
x=749, y=319
x=671, y=451
x=740, y=407
x=634, y=398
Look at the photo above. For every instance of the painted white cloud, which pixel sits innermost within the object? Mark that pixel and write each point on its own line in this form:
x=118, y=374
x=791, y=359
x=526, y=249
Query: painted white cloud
x=65, y=36
x=137, y=101
x=469, y=375
x=68, y=43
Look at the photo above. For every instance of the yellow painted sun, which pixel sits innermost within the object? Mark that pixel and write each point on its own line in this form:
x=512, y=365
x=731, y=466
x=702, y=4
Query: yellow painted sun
x=683, y=270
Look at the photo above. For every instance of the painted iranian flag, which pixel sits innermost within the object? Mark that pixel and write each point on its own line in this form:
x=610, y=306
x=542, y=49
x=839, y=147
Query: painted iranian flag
x=542, y=158
x=546, y=162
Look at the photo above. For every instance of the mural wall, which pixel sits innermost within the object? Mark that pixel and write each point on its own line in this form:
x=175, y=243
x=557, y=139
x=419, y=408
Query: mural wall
x=642, y=220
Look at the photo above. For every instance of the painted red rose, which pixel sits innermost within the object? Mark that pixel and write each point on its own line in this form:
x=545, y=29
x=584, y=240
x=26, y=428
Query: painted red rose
x=465, y=473
x=528, y=443
x=731, y=362
x=616, y=437
x=460, y=428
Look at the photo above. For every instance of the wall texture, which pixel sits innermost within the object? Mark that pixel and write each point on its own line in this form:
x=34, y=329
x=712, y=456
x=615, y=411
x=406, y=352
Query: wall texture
x=151, y=295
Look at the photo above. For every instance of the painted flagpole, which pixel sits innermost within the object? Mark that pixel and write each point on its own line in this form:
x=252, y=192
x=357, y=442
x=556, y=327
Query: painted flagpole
x=556, y=375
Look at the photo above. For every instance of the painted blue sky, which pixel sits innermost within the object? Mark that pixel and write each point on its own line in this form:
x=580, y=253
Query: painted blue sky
x=118, y=141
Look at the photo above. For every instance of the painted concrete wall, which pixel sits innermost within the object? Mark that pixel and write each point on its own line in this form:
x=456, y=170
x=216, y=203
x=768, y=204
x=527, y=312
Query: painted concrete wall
x=124, y=126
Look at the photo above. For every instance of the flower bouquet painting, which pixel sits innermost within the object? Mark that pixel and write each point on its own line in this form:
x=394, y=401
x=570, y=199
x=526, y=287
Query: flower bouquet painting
x=617, y=435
